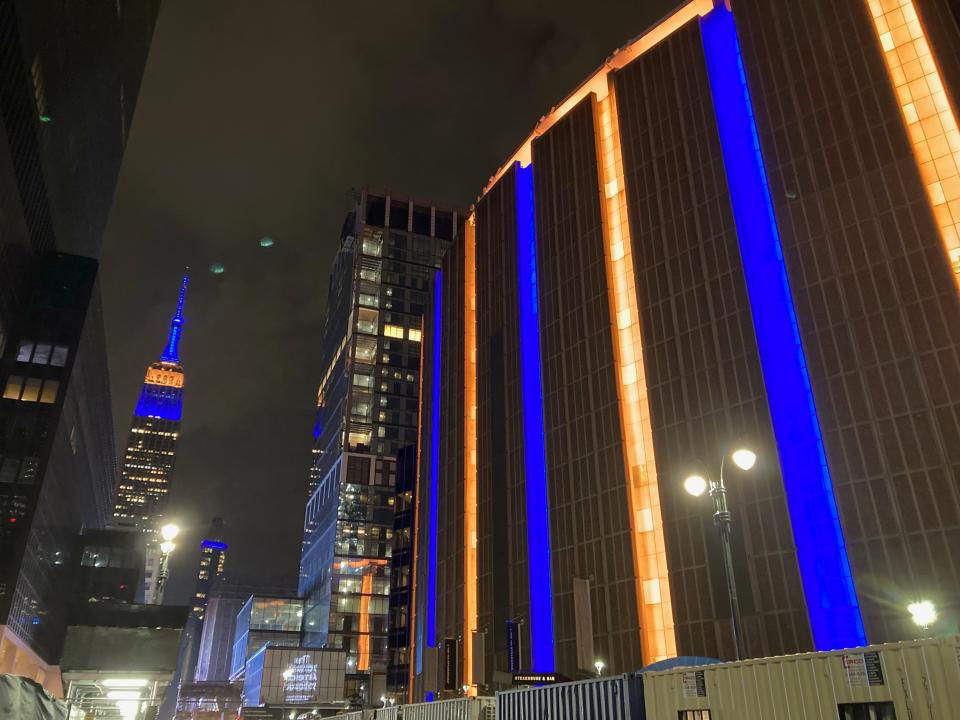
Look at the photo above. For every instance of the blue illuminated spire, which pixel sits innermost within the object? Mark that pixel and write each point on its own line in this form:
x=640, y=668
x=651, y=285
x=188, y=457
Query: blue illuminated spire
x=171, y=352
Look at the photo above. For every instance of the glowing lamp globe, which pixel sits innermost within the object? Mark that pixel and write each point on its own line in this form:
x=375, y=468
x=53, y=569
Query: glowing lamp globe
x=696, y=485
x=744, y=458
x=169, y=532
x=923, y=613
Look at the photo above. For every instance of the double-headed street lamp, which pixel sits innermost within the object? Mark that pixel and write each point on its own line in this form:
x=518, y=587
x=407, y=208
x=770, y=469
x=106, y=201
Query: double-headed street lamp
x=168, y=533
x=696, y=485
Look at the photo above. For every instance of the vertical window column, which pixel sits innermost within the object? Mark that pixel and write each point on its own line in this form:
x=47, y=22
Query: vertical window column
x=534, y=444
x=655, y=608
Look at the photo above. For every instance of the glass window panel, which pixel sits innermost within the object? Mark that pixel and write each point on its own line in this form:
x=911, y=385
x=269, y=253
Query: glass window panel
x=50, y=388
x=12, y=390
x=41, y=355
x=24, y=351
x=59, y=356
x=31, y=390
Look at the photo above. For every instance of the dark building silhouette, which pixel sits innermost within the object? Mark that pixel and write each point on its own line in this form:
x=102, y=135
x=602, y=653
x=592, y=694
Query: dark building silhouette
x=69, y=78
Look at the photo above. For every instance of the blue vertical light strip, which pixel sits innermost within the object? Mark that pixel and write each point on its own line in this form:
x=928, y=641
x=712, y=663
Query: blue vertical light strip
x=435, y=339
x=534, y=445
x=834, y=611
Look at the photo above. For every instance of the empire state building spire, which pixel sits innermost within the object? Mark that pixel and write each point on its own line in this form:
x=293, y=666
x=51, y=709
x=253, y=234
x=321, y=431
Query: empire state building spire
x=154, y=432
x=171, y=352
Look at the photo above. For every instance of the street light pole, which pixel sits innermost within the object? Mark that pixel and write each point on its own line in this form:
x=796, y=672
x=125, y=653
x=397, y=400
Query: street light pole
x=723, y=521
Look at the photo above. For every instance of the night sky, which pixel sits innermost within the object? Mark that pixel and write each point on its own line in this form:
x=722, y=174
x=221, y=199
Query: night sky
x=256, y=118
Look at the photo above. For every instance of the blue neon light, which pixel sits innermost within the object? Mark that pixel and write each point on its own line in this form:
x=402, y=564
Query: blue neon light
x=213, y=545
x=832, y=604
x=171, y=353
x=434, y=460
x=534, y=444
x=160, y=401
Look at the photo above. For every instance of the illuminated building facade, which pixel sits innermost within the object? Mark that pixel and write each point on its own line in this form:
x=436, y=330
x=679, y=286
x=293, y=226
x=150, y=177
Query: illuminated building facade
x=213, y=561
x=152, y=450
x=61, y=146
x=740, y=229
x=367, y=410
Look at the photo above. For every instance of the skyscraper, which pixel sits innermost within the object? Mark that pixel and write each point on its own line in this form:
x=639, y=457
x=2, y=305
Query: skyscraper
x=152, y=444
x=741, y=229
x=62, y=146
x=367, y=409
x=213, y=560
x=152, y=451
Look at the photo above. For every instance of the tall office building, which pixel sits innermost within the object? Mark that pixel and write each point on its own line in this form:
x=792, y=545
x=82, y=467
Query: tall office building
x=366, y=411
x=742, y=229
x=61, y=145
x=154, y=431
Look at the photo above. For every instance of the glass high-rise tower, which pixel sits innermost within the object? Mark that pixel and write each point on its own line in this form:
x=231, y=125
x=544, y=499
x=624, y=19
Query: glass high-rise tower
x=367, y=409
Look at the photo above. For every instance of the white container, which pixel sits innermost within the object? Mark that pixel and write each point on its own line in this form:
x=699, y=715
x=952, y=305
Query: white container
x=919, y=680
x=619, y=697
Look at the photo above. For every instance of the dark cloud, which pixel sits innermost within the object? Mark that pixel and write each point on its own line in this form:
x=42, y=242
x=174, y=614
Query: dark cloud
x=256, y=118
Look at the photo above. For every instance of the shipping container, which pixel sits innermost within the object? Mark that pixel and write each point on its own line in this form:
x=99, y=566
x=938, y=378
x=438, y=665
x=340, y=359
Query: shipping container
x=916, y=680
x=479, y=708
x=391, y=712
x=618, y=697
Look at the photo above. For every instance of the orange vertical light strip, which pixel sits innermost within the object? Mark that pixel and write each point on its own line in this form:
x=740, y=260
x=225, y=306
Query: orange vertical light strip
x=930, y=120
x=363, y=642
x=469, y=451
x=411, y=627
x=655, y=610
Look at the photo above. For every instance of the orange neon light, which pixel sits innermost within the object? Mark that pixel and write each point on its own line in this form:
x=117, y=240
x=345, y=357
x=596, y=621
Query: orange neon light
x=469, y=452
x=411, y=649
x=655, y=610
x=930, y=120
x=597, y=83
x=363, y=642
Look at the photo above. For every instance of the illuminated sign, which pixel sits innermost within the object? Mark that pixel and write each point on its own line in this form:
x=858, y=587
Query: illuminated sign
x=300, y=680
x=538, y=678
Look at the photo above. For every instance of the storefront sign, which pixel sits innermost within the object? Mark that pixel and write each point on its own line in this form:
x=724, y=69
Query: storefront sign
x=538, y=678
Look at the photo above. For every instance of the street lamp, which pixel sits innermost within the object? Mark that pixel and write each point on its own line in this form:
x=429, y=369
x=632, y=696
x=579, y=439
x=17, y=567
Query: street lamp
x=923, y=613
x=696, y=485
x=383, y=699
x=599, y=665
x=168, y=533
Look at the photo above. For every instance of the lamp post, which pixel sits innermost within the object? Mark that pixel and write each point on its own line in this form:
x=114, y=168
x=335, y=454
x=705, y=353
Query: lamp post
x=599, y=665
x=168, y=533
x=696, y=485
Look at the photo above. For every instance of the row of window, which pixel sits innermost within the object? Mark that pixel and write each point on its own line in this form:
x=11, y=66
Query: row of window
x=31, y=389
x=42, y=353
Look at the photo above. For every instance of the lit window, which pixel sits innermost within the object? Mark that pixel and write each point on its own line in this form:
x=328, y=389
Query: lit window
x=31, y=390
x=368, y=300
x=24, y=351
x=394, y=331
x=49, y=394
x=12, y=390
x=413, y=335
x=42, y=354
x=367, y=321
x=364, y=381
x=59, y=356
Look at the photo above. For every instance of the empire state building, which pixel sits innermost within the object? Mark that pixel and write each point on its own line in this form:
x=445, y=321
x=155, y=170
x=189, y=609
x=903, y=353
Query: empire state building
x=154, y=431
